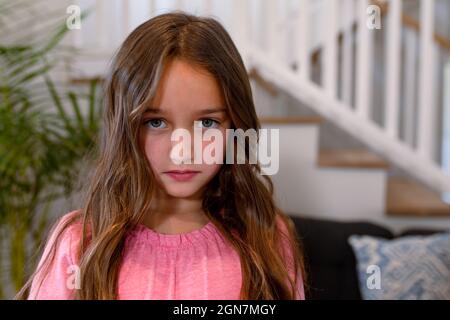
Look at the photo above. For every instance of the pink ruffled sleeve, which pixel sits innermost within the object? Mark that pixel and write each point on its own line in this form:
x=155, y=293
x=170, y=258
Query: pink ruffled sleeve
x=61, y=278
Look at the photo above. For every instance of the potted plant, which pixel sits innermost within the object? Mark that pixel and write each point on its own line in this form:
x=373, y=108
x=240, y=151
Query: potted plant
x=47, y=129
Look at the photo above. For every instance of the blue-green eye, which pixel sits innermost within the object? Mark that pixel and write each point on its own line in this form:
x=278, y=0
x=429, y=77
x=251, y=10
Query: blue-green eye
x=209, y=123
x=155, y=123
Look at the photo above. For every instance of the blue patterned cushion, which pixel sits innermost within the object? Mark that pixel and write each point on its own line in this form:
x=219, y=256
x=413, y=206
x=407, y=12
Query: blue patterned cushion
x=407, y=268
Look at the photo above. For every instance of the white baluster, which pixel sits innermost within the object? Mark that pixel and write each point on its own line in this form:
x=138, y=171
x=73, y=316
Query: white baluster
x=179, y=5
x=427, y=110
x=393, y=68
x=446, y=126
x=100, y=23
x=409, y=76
x=303, y=41
x=364, y=61
x=77, y=35
x=283, y=31
x=437, y=93
x=330, y=70
x=272, y=20
x=347, y=53
x=240, y=27
x=126, y=17
x=207, y=7
x=151, y=8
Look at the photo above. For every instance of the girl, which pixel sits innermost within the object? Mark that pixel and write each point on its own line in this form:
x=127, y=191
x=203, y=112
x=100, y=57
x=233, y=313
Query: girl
x=148, y=230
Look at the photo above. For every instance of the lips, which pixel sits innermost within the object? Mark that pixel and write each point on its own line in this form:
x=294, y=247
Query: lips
x=182, y=175
x=182, y=171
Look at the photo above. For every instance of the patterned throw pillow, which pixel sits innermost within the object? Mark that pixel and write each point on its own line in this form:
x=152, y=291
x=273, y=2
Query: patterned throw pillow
x=406, y=268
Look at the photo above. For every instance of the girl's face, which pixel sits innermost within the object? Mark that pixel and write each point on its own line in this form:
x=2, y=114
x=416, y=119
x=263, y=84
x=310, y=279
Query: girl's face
x=185, y=93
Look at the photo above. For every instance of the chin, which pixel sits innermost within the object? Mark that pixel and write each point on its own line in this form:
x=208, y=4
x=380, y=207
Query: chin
x=181, y=191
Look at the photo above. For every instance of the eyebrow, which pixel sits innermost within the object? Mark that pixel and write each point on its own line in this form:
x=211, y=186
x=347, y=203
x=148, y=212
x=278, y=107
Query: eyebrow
x=200, y=112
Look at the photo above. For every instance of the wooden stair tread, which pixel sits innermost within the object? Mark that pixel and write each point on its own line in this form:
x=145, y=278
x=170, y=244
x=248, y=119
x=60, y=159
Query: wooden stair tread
x=291, y=120
x=351, y=158
x=407, y=198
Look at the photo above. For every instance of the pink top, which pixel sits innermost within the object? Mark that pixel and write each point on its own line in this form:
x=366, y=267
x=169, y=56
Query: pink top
x=196, y=265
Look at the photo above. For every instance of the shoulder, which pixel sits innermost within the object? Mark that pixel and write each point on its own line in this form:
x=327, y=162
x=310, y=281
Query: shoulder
x=289, y=244
x=283, y=224
x=71, y=222
x=58, y=259
x=67, y=233
x=285, y=239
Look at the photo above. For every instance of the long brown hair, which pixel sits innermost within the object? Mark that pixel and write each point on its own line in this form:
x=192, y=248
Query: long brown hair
x=239, y=199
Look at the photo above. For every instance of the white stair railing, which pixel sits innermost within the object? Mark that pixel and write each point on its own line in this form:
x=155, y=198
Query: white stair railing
x=446, y=125
x=393, y=53
x=427, y=110
x=318, y=25
x=418, y=161
x=364, y=61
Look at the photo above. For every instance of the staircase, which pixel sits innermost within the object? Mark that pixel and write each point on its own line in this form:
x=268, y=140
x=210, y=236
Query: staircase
x=346, y=184
x=395, y=200
x=388, y=94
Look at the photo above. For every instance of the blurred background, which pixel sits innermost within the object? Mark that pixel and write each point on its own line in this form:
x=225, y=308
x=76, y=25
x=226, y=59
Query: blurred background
x=360, y=90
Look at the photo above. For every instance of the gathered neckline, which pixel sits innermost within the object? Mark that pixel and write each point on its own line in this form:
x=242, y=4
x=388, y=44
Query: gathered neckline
x=142, y=232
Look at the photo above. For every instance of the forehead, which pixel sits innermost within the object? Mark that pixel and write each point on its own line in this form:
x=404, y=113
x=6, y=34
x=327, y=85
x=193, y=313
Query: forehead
x=186, y=88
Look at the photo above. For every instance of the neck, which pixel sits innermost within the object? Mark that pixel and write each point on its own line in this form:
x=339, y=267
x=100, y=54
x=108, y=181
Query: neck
x=172, y=215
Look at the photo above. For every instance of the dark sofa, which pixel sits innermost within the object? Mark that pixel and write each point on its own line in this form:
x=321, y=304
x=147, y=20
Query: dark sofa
x=330, y=260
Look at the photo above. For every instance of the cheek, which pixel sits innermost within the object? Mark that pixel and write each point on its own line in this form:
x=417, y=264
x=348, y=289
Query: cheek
x=210, y=170
x=154, y=148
